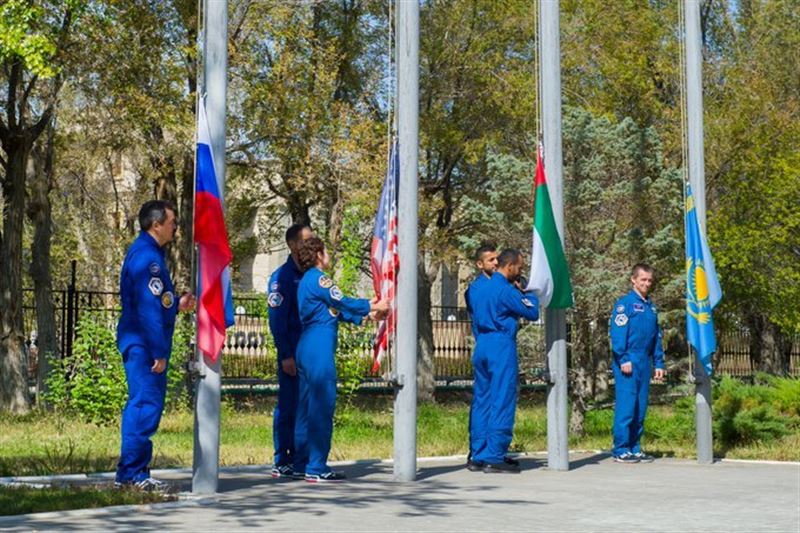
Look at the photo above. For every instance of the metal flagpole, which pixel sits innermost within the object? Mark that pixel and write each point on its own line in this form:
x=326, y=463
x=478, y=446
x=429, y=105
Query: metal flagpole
x=405, y=403
x=215, y=81
x=555, y=319
x=694, y=102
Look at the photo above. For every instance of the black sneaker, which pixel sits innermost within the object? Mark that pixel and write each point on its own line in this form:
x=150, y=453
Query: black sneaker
x=282, y=471
x=153, y=485
x=500, y=468
x=511, y=461
x=644, y=458
x=298, y=475
x=475, y=466
x=327, y=477
x=626, y=457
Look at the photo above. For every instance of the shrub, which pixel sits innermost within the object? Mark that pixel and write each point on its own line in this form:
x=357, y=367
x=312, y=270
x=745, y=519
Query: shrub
x=91, y=382
x=761, y=412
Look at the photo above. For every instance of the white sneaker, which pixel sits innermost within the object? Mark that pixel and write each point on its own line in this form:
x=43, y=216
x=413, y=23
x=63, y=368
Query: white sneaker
x=153, y=485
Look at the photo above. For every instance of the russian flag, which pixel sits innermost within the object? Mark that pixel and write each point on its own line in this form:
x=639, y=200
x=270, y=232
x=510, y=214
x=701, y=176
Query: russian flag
x=215, y=303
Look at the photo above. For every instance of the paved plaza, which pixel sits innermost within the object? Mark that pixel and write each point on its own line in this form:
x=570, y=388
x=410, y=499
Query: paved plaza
x=595, y=495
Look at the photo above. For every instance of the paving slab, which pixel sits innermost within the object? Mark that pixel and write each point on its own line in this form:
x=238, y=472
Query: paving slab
x=595, y=495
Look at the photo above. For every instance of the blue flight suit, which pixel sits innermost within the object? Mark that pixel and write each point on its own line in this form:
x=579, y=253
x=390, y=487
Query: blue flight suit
x=635, y=338
x=480, y=392
x=144, y=334
x=496, y=309
x=284, y=324
x=322, y=306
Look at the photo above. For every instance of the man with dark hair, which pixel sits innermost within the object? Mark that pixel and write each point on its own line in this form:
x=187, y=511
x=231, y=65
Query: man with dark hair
x=636, y=346
x=495, y=317
x=486, y=263
x=144, y=338
x=284, y=324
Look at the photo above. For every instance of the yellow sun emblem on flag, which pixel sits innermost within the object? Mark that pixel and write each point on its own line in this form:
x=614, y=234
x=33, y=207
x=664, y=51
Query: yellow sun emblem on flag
x=697, y=292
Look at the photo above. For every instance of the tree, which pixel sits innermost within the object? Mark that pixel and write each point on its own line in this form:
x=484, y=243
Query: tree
x=752, y=117
x=33, y=40
x=477, y=97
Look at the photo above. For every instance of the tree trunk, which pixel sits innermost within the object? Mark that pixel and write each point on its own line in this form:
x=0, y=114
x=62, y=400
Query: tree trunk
x=13, y=368
x=40, y=213
x=767, y=345
x=425, y=349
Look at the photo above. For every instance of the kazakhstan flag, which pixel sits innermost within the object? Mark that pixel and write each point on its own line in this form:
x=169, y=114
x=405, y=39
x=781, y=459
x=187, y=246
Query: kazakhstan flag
x=702, y=288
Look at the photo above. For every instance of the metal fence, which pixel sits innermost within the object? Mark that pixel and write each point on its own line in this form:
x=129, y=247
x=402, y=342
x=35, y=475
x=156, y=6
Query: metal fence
x=249, y=352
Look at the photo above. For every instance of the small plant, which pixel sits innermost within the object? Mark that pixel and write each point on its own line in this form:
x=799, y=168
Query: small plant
x=91, y=381
x=761, y=412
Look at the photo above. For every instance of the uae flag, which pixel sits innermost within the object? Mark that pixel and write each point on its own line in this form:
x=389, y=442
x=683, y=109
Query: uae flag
x=549, y=277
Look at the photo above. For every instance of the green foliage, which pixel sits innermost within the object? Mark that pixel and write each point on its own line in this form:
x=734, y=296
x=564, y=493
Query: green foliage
x=91, y=383
x=24, y=500
x=178, y=384
x=351, y=365
x=22, y=37
x=755, y=413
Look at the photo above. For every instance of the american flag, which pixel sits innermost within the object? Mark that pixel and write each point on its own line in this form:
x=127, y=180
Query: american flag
x=384, y=261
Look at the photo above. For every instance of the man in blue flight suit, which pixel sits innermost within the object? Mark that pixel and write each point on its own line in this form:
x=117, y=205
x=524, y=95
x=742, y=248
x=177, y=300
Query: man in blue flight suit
x=144, y=338
x=496, y=311
x=284, y=324
x=636, y=347
x=486, y=263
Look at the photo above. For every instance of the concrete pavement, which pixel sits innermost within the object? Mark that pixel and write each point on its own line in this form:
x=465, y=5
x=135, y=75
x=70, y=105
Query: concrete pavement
x=595, y=495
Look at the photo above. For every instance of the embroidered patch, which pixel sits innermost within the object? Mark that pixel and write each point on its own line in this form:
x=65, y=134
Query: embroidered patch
x=325, y=282
x=275, y=299
x=154, y=269
x=621, y=320
x=620, y=309
x=527, y=303
x=274, y=287
x=167, y=299
x=334, y=312
x=639, y=308
x=336, y=293
x=156, y=286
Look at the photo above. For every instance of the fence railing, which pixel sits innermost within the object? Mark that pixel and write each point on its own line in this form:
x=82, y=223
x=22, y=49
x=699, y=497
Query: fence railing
x=249, y=351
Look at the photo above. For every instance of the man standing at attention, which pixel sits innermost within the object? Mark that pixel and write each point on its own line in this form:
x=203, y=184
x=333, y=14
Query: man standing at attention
x=495, y=315
x=486, y=263
x=144, y=338
x=636, y=347
x=284, y=324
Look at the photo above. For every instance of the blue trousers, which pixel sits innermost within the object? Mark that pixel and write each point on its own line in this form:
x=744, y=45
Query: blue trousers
x=313, y=429
x=494, y=399
x=630, y=408
x=141, y=416
x=284, y=417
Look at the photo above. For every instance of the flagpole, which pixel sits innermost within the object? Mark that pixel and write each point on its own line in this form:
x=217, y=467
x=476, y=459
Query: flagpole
x=555, y=319
x=405, y=403
x=694, y=104
x=205, y=468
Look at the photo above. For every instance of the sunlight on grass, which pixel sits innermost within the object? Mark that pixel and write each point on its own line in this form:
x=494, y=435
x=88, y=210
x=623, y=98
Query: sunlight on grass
x=39, y=444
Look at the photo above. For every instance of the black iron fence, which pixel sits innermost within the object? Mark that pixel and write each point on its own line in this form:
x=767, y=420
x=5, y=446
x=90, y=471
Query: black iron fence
x=250, y=353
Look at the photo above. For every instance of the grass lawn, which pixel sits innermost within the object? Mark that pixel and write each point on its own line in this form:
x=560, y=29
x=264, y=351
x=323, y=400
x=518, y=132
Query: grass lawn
x=22, y=500
x=40, y=444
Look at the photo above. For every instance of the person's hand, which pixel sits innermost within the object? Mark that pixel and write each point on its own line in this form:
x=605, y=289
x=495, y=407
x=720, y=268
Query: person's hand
x=627, y=368
x=288, y=366
x=379, y=306
x=159, y=365
x=660, y=374
x=187, y=302
x=376, y=316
